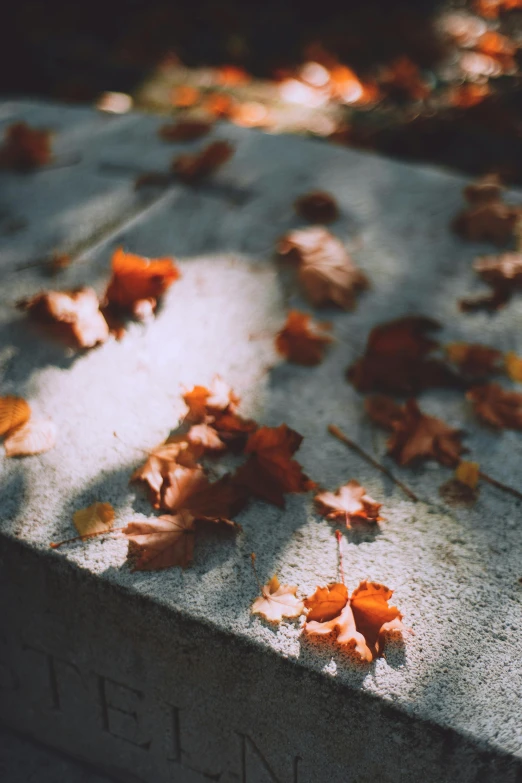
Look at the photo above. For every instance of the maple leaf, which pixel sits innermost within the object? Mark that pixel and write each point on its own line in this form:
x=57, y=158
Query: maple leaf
x=14, y=413
x=270, y=471
x=326, y=603
x=73, y=316
x=33, y=437
x=278, y=601
x=161, y=542
x=205, y=437
x=302, y=340
x=160, y=461
x=212, y=401
x=184, y=130
x=97, y=518
x=317, y=207
x=497, y=406
x=233, y=429
x=135, y=279
x=383, y=410
x=179, y=483
x=25, y=148
x=192, y=168
x=326, y=271
x=217, y=501
x=474, y=359
x=419, y=436
x=348, y=503
x=373, y=617
x=396, y=359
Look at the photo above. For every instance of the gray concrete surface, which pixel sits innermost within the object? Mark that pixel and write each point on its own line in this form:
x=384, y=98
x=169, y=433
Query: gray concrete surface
x=166, y=676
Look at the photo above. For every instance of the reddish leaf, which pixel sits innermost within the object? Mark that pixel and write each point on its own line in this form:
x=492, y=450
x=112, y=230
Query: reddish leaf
x=383, y=410
x=233, y=429
x=25, y=148
x=184, y=130
x=160, y=462
x=73, y=316
x=326, y=271
x=349, y=503
x=326, y=603
x=203, y=402
x=419, y=436
x=491, y=222
x=191, y=168
x=136, y=279
x=179, y=484
x=317, y=207
x=485, y=190
x=302, y=340
x=218, y=501
x=497, y=406
x=161, y=542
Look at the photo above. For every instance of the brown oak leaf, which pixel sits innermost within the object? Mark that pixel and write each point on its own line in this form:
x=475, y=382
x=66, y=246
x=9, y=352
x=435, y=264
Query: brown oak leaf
x=349, y=503
x=497, y=406
x=326, y=271
x=34, y=437
x=474, y=359
x=278, y=601
x=317, y=207
x=25, y=148
x=136, y=280
x=72, y=316
x=396, y=359
x=419, y=436
x=194, y=167
x=14, y=413
x=97, y=518
x=270, y=471
x=161, y=542
x=302, y=340
x=184, y=130
x=363, y=622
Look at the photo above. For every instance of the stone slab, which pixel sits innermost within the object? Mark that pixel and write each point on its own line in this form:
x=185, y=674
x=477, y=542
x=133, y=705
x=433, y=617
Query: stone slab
x=166, y=676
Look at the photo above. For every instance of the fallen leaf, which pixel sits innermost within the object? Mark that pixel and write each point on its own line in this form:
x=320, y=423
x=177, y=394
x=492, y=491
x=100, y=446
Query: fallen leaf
x=497, y=406
x=270, y=471
x=419, y=436
x=474, y=359
x=278, y=601
x=73, y=316
x=203, y=402
x=98, y=518
x=135, y=279
x=468, y=473
x=363, y=622
x=326, y=603
x=34, y=437
x=513, y=366
x=184, y=130
x=383, y=410
x=205, y=437
x=192, y=168
x=317, y=207
x=25, y=148
x=14, y=413
x=161, y=542
x=326, y=271
x=349, y=503
x=218, y=501
x=160, y=461
x=233, y=429
x=487, y=218
x=396, y=359
x=179, y=484
x=302, y=340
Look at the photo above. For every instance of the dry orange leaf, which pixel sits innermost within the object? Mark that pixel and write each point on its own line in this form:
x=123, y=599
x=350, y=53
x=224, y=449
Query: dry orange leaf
x=233, y=429
x=349, y=503
x=179, y=484
x=326, y=603
x=212, y=401
x=468, y=473
x=25, y=148
x=326, y=271
x=73, y=316
x=218, y=501
x=317, y=207
x=363, y=622
x=513, y=366
x=270, y=471
x=278, y=601
x=302, y=340
x=184, y=130
x=161, y=542
x=136, y=279
x=97, y=518
x=419, y=436
x=14, y=413
x=474, y=359
x=497, y=406
x=192, y=168
x=34, y=437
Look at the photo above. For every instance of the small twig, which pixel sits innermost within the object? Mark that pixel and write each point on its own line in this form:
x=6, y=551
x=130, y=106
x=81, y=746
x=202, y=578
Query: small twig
x=339, y=538
x=56, y=545
x=500, y=485
x=339, y=434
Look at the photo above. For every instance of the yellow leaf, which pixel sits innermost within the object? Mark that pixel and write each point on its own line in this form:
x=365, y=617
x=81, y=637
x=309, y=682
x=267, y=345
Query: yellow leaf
x=513, y=365
x=468, y=473
x=98, y=518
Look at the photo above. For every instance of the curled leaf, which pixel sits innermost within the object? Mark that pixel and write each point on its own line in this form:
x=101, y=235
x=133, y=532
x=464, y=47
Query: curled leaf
x=135, y=279
x=14, y=412
x=278, y=601
x=326, y=603
x=73, y=316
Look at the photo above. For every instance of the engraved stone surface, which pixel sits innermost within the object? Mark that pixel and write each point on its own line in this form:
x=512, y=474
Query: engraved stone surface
x=166, y=676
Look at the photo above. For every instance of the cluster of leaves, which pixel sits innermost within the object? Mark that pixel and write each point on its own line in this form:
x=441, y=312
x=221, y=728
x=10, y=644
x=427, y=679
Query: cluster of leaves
x=23, y=435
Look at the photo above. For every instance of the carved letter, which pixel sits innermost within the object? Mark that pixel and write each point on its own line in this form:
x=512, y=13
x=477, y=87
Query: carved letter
x=250, y=751
x=120, y=712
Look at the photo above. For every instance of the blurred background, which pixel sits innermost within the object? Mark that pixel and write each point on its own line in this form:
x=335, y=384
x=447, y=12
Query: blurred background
x=416, y=79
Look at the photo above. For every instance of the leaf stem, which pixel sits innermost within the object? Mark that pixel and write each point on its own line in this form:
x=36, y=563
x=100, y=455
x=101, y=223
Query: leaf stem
x=339, y=434
x=253, y=562
x=339, y=538
x=56, y=545
x=499, y=485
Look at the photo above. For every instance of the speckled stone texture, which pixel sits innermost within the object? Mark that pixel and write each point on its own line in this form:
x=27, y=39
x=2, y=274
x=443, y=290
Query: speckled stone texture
x=166, y=676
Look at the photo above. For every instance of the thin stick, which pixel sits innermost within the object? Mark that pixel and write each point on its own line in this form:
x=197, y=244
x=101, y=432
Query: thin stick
x=339, y=434
x=500, y=485
x=339, y=538
x=56, y=545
